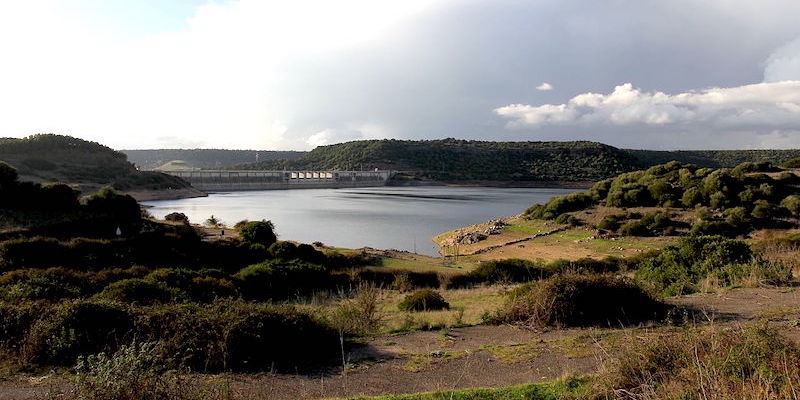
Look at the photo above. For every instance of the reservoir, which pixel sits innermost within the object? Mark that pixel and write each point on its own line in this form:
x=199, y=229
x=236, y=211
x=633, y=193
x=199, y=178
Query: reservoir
x=402, y=218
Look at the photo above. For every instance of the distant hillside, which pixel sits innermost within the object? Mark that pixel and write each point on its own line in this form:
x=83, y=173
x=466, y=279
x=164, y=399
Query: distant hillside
x=463, y=160
x=87, y=165
x=184, y=159
x=713, y=158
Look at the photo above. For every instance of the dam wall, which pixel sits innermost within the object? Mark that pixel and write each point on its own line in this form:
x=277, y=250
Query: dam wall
x=225, y=181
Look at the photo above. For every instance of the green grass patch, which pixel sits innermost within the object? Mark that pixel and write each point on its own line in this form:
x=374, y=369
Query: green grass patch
x=515, y=353
x=532, y=227
x=562, y=389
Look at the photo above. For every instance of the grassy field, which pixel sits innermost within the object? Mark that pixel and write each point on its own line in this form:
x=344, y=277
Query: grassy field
x=570, y=244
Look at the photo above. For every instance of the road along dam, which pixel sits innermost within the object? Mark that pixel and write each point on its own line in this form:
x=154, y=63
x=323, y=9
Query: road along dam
x=225, y=180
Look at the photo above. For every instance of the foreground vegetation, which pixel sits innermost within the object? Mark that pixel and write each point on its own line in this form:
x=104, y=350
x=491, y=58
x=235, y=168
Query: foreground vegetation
x=130, y=307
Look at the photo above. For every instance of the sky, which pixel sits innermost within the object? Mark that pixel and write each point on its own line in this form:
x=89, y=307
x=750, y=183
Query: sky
x=276, y=75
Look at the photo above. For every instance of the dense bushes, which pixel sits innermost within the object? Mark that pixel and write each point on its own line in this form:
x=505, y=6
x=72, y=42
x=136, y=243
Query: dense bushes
x=76, y=328
x=764, y=200
x=560, y=205
x=222, y=336
x=508, y=271
x=678, y=269
x=138, y=291
x=572, y=299
x=424, y=300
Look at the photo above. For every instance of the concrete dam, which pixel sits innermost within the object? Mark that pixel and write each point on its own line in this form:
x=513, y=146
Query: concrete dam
x=224, y=180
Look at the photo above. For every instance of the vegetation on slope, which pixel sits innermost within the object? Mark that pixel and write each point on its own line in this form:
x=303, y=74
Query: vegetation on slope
x=451, y=159
x=724, y=201
x=55, y=158
x=177, y=159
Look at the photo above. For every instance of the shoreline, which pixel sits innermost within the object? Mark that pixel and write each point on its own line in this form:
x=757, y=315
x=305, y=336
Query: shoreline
x=498, y=184
x=165, y=194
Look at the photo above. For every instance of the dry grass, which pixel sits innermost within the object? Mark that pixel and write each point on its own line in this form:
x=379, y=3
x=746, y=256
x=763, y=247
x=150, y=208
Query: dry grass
x=706, y=363
x=467, y=307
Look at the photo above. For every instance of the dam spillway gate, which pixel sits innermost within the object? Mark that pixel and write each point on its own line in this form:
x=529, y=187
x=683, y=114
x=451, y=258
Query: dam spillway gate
x=225, y=180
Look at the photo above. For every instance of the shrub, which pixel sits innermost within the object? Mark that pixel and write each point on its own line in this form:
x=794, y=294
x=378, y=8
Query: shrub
x=560, y=205
x=507, y=271
x=207, y=289
x=677, y=269
x=139, y=291
x=610, y=222
x=77, y=328
x=279, y=336
x=792, y=204
x=16, y=320
x=260, y=232
x=281, y=279
x=568, y=219
x=177, y=217
x=49, y=284
x=390, y=278
x=423, y=300
x=231, y=335
x=580, y=300
x=123, y=210
x=132, y=372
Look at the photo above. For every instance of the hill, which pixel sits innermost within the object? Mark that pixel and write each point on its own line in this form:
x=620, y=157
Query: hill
x=185, y=159
x=82, y=164
x=466, y=160
x=713, y=158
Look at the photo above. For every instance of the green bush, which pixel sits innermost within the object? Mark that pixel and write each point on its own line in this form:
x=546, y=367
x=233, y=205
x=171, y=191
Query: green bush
x=580, y=300
x=132, y=372
x=792, y=204
x=206, y=289
x=423, y=300
x=508, y=271
x=258, y=232
x=230, y=335
x=560, y=205
x=677, y=269
x=77, y=328
x=278, y=279
x=139, y=291
x=50, y=284
x=568, y=219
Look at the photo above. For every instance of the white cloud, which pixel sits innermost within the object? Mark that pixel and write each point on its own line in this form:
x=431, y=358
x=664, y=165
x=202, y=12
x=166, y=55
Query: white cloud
x=211, y=84
x=784, y=63
x=763, y=106
x=544, y=86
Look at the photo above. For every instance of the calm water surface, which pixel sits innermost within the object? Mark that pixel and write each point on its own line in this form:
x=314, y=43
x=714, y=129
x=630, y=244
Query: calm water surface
x=403, y=218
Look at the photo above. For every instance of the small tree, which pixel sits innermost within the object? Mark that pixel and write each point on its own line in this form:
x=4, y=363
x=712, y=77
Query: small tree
x=213, y=222
x=258, y=232
x=178, y=217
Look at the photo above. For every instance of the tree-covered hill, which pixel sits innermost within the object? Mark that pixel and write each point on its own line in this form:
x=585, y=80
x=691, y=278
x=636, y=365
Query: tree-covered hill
x=451, y=159
x=465, y=160
x=183, y=159
x=713, y=158
x=87, y=165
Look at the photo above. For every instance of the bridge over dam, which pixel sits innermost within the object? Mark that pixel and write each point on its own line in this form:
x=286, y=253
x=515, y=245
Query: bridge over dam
x=231, y=180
